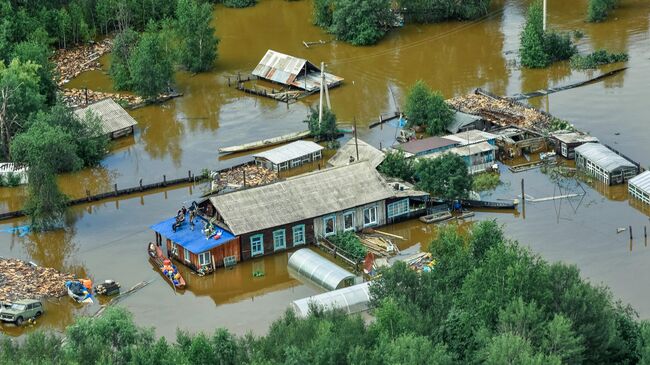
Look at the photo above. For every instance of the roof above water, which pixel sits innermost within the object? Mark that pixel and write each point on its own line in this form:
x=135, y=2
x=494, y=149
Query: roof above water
x=573, y=137
x=318, y=269
x=425, y=144
x=193, y=240
x=113, y=117
x=641, y=181
x=301, y=197
x=366, y=153
x=461, y=120
x=290, y=151
x=471, y=136
x=352, y=299
x=603, y=157
x=467, y=150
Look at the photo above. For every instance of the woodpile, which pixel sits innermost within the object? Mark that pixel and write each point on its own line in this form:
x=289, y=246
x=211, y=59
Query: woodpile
x=501, y=111
x=420, y=262
x=22, y=280
x=380, y=246
x=77, y=97
x=71, y=62
x=254, y=175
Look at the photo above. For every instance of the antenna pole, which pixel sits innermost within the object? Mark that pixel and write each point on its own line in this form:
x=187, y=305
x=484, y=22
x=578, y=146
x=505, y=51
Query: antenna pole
x=356, y=141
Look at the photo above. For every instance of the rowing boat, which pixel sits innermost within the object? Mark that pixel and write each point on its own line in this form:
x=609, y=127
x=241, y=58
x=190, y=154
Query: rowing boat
x=265, y=142
x=168, y=270
x=436, y=217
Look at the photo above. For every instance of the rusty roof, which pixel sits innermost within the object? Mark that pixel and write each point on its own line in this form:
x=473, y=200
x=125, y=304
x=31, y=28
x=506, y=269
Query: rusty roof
x=279, y=67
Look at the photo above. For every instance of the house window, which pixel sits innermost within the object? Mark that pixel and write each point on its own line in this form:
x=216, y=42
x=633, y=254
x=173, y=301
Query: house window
x=257, y=245
x=296, y=162
x=348, y=221
x=186, y=255
x=299, y=235
x=174, y=249
x=204, y=258
x=398, y=208
x=329, y=225
x=565, y=152
x=370, y=216
x=279, y=240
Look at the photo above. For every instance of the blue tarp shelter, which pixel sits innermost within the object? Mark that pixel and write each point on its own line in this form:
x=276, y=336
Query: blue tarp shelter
x=192, y=240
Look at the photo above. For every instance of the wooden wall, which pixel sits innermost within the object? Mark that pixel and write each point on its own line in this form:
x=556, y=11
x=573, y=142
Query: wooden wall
x=268, y=238
x=230, y=248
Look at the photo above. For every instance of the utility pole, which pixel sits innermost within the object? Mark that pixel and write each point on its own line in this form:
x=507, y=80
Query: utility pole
x=327, y=89
x=320, y=104
x=544, y=22
x=356, y=142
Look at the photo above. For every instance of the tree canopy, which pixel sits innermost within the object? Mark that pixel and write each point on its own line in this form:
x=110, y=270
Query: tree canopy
x=327, y=129
x=445, y=177
x=433, y=11
x=538, y=49
x=150, y=66
x=427, y=109
x=198, y=48
x=598, y=10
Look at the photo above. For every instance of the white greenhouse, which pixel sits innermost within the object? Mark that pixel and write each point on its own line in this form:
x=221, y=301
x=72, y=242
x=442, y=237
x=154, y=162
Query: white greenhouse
x=316, y=268
x=352, y=299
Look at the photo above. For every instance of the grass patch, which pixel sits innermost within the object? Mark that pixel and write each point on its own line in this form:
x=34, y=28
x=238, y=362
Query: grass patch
x=486, y=181
x=598, y=58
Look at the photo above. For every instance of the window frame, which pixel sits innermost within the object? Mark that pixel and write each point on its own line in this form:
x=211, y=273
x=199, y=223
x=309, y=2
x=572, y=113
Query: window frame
x=300, y=227
x=255, y=237
x=371, y=222
x=325, y=219
x=399, y=204
x=187, y=255
x=209, y=258
x=284, y=239
x=353, y=215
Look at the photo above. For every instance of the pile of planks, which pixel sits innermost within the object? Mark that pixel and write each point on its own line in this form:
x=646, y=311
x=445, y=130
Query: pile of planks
x=378, y=245
x=255, y=175
x=419, y=262
x=501, y=111
x=73, y=61
x=77, y=97
x=22, y=280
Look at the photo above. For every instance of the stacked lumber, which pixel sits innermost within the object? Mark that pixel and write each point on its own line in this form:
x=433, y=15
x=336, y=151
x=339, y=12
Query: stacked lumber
x=378, y=245
x=419, y=262
x=77, y=97
x=255, y=175
x=501, y=111
x=73, y=61
x=22, y=280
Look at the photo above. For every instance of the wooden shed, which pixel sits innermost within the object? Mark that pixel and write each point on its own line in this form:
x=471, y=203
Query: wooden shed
x=604, y=164
x=289, y=156
x=566, y=142
x=293, y=71
x=115, y=121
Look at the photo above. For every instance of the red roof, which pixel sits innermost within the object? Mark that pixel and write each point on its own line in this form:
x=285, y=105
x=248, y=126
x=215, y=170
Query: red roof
x=426, y=144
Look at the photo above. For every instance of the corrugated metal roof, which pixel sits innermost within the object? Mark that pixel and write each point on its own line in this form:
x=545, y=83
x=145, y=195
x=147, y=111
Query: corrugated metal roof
x=366, y=153
x=426, y=144
x=290, y=151
x=318, y=269
x=113, y=117
x=641, y=181
x=301, y=197
x=471, y=136
x=603, y=157
x=573, y=137
x=466, y=150
x=285, y=69
x=461, y=120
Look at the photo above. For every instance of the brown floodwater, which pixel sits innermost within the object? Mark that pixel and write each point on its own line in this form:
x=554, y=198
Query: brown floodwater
x=107, y=239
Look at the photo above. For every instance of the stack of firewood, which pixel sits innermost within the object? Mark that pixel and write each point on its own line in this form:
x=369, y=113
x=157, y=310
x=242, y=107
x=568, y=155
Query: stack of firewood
x=501, y=111
x=22, y=280
x=73, y=61
x=77, y=97
x=255, y=175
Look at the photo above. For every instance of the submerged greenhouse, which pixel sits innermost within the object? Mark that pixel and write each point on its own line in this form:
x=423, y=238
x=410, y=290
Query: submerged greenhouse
x=319, y=270
x=352, y=299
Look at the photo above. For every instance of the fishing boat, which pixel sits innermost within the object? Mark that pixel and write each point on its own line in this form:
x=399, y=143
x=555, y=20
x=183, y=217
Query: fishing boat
x=265, y=142
x=436, y=217
x=78, y=292
x=166, y=267
x=488, y=204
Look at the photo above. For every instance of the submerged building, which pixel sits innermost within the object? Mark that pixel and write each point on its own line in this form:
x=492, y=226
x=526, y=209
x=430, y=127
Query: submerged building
x=114, y=120
x=289, y=156
x=604, y=164
x=639, y=187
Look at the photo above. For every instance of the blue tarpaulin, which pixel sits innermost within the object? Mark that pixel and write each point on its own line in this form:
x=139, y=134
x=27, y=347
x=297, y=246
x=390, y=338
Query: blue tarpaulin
x=193, y=240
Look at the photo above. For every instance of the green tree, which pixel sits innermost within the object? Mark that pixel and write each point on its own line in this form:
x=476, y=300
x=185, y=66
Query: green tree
x=198, y=50
x=561, y=341
x=444, y=177
x=433, y=11
x=239, y=3
x=427, y=109
x=411, y=349
x=322, y=13
x=38, y=52
x=531, y=51
x=123, y=47
x=598, y=10
x=361, y=23
x=509, y=348
x=397, y=165
x=150, y=66
x=484, y=236
x=326, y=130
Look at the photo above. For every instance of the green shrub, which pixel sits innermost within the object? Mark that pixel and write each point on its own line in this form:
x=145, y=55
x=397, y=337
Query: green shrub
x=486, y=181
x=397, y=165
x=598, y=10
x=239, y=3
x=598, y=58
x=539, y=49
x=350, y=243
x=12, y=179
x=558, y=124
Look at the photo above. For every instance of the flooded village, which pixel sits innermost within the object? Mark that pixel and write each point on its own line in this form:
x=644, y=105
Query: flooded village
x=215, y=207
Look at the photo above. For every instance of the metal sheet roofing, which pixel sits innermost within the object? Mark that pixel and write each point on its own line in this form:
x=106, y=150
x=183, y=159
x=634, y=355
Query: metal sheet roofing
x=290, y=151
x=641, y=181
x=366, y=153
x=466, y=150
x=573, y=137
x=461, y=120
x=285, y=69
x=426, y=144
x=352, y=299
x=301, y=197
x=471, y=136
x=113, y=117
x=318, y=269
x=193, y=240
x=603, y=157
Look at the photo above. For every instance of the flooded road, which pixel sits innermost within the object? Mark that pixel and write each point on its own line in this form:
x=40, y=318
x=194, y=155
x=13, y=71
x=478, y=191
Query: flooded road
x=107, y=240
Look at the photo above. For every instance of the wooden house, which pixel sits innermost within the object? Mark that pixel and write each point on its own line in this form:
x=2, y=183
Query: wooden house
x=289, y=156
x=115, y=121
x=565, y=142
x=604, y=164
x=463, y=122
x=298, y=210
x=292, y=71
x=425, y=146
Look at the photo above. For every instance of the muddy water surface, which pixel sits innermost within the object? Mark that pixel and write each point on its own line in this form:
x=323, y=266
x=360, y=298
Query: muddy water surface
x=107, y=240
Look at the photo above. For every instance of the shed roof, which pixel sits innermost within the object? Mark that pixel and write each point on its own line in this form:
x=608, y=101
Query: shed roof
x=289, y=151
x=471, y=136
x=193, y=240
x=113, y=117
x=603, y=157
x=352, y=299
x=301, y=197
x=461, y=120
x=318, y=269
x=285, y=69
x=425, y=144
x=573, y=137
x=466, y=150
x=641, y=181
x=367, y=152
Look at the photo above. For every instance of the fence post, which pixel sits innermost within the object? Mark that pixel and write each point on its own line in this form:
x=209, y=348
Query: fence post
x=87, y=195
x=189, y=175
x=164, y=180
x=244, y=172
x=141, y=185
x=115, y=187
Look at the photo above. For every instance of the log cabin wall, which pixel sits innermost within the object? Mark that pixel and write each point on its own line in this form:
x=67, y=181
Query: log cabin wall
x=267, y=236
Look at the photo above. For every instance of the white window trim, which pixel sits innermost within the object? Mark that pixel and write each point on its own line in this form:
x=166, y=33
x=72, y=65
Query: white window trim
x=301, y=228
x=261, y=240
x=186, y=255
x=284, y=239
x=392, y=206
x=372, y=222
x=202, y=257
x=325, y=233
x=350, y=213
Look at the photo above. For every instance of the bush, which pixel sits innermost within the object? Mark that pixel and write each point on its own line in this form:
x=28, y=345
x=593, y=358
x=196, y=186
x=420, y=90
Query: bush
x=598, y=10
x=539, y=49
x=239, y=3
x=397, y=165
x=350, y=243
x=433, y=11
x=485, y=181
x=322, y=13
x=598, y=58
x=427, y=108
x=327, y=130
x=360, y=23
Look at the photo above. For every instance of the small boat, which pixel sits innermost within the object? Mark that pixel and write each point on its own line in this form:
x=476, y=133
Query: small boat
x=436, y=217
x=488, y=204
x=78, y=292
x=166, y=267
x=265, y=142
x=108, y=287
x=465, y=214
